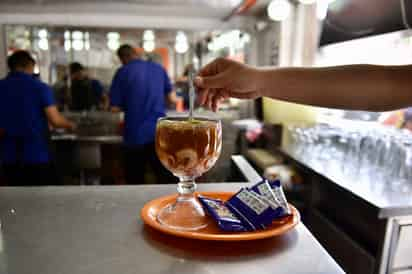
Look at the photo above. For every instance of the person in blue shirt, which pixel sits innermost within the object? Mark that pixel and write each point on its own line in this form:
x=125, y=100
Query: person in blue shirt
x=86, y=93
x=27, y=108
x=141, y=89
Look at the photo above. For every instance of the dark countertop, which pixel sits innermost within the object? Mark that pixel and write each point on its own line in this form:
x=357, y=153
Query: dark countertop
x=97, y=229
x=389, y=200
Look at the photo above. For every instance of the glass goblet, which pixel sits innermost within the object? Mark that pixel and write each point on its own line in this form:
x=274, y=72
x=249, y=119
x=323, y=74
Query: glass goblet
x=187, y=148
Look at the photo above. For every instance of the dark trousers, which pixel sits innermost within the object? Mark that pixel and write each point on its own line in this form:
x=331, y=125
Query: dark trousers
x=30, y=174
x=139, y=160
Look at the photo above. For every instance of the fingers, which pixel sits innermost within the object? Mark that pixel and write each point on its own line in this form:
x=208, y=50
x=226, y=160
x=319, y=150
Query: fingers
x=213, y=74
x=202, y=96
x=215, y=81
x=72, y=126
x=208, y=96
x=244, y=95
x=211, y=94
x=217, y=100
x=213, y=101
x=213, y=68
x=218, y=80
x=214, y=98
x=206, y=90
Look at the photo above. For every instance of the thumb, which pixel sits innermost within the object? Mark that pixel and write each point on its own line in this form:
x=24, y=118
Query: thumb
x=216, y=81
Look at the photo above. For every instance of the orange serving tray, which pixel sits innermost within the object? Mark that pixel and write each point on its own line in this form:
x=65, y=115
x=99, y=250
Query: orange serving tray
x=212, y=231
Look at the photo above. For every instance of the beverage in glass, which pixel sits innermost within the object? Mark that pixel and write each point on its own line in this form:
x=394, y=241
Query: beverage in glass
x=187, y=148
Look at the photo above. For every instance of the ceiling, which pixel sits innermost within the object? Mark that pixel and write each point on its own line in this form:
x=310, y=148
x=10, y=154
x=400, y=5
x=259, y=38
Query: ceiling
x=224, y=5
x=212, y=3
x=346, y=19
x=174, y=14
x=351, y=19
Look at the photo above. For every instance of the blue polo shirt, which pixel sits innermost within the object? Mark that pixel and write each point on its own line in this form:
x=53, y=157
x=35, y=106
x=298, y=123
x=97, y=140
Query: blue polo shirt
x=97, y=88
x=139, y=88
x=23, y=100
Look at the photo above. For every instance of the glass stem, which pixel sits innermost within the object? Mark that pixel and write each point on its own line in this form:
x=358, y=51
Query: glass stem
x=186, y=188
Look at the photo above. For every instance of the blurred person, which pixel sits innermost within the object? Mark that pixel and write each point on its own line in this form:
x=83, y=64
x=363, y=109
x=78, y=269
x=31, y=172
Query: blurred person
x=27, y=107
x=352, y=87
x=392, y=118
x=407, y=119
x=401, y=118
x=86, y=93
x=62, y=92
x=141, y=89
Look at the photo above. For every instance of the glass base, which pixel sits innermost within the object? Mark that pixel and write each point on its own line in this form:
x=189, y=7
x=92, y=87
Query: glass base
x=185, y=214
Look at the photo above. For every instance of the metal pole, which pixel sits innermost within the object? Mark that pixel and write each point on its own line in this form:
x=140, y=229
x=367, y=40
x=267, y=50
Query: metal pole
x=3, y=51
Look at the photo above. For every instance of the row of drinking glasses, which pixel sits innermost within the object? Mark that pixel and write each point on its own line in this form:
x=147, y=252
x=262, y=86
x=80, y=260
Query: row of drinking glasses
x=365, y=152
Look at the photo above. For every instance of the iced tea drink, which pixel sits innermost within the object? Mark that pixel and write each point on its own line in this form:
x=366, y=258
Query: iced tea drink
x=188, y=148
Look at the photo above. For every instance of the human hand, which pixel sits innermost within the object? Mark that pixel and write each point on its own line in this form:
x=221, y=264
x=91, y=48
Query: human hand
x=72, y=126
x=224, y=78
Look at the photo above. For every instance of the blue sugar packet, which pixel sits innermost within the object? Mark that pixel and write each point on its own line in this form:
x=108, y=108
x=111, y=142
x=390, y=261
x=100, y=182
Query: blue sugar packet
x=222, y=215
x=280, y=195
x=249, y=206
x=263, y=188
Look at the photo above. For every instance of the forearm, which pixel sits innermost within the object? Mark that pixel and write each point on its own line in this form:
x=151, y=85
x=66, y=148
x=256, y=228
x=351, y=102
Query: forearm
x=171, y=98
x=62, y=122
x=56, y=119
x=360, y=87
x=115, y=109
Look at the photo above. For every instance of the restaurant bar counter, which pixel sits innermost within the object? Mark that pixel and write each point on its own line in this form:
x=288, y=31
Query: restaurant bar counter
x=97, y=229
x=95, y=148
x=365, y=225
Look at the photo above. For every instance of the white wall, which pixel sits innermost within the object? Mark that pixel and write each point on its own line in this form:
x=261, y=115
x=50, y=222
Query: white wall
x=387, y=49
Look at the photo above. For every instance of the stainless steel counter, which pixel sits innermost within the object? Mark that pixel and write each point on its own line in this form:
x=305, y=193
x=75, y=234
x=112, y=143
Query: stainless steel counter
x=97, y=229
x=103, y=139
x=388, y=201
x=365, y=224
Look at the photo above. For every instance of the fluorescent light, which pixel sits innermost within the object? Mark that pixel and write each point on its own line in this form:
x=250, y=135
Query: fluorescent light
x=148, y=40
x=278, y=10
x=113, y=44
x=233, y=40
x=181, y=37
x=322, y=9
x=113, y=36
x=211, y=46
x=77, y=35
x=309, y=2
x=67, y=45
x=149, y=46
x=181, y=47
x=112, y=40
x=43, y=44
x=42, y=33
x=148, y=35
x=77, y=44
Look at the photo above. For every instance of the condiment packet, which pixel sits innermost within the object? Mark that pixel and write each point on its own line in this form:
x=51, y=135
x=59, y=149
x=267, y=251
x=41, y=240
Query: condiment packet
x=222, y=215
x=280, y=195
x=249, y=206
x=264, y=189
